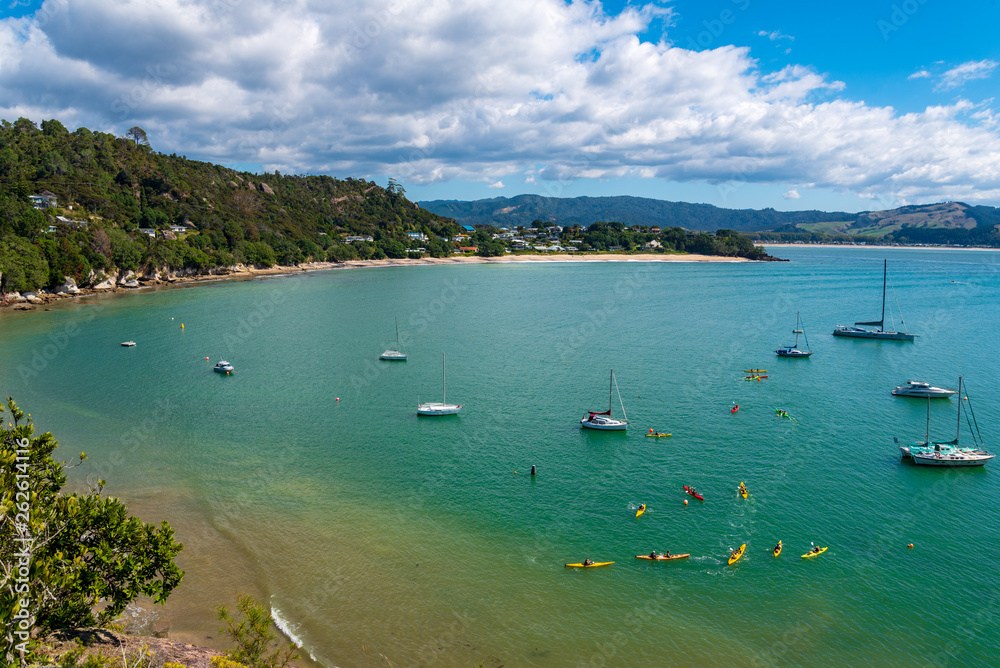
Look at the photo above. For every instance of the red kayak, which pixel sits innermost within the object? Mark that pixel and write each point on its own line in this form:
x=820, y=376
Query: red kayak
x=690, y=490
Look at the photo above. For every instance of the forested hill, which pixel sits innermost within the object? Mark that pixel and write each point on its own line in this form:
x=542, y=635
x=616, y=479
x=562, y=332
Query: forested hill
x=102, y=191
x=523, y=210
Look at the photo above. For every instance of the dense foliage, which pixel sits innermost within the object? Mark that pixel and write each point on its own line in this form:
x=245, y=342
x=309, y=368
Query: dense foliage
x=67, y=560
x=108, y=187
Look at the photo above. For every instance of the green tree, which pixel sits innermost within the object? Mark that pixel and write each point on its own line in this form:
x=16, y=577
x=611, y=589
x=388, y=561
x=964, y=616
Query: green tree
x=67, y=560
x=252, y=634
x=137, y=135
x=22, y=265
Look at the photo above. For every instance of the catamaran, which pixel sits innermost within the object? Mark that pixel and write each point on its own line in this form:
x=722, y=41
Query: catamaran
x=794, y=350
x=603, y=420
x=393, y=354
x=947, y=453
x=442, y=408
x=879, y=332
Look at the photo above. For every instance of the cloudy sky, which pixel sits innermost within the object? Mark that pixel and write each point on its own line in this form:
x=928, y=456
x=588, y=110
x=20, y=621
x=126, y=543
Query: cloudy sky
x=855, y=105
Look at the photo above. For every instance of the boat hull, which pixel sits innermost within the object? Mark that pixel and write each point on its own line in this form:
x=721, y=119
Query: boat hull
x=950, y=460
x=608, y=425
x=438, y=409
x=857, y=333
x=936, y=393
x=393, y=356
x=792, y=352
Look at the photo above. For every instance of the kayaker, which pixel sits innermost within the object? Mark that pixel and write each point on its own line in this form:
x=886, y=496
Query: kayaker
x=667, y=553
x=776, y=547
x=587, y=562
x=652, y=555
x=816, y=549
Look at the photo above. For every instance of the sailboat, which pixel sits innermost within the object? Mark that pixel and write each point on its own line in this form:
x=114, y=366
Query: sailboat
x=879, y=332
x=603, y=420
x=393, y=354
x=947, y=453
x=793, y=350
x=442, y=408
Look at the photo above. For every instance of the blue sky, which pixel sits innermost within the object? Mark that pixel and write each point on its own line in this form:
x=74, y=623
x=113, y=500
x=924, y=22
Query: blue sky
x=738, y=103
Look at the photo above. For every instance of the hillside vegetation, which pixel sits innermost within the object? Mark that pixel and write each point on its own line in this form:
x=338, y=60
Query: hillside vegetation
x=109, y=210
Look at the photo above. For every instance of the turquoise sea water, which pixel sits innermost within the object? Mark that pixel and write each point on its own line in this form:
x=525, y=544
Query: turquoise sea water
x=374, y=532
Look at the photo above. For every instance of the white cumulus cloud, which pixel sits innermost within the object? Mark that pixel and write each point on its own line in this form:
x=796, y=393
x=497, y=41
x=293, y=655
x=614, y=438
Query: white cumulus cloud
x=792, y=194
x=498, y=184
x=961, y=74
x=433, y=90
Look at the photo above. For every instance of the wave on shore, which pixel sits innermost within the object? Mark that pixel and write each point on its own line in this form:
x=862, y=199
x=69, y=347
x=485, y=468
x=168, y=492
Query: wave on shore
x=289, y=629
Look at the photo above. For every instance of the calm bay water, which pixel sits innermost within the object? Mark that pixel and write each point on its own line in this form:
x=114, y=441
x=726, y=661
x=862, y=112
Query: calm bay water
x=373, y=532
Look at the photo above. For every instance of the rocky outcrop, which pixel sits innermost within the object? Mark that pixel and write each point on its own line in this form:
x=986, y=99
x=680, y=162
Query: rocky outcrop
x=266, y=188
x=68, y=287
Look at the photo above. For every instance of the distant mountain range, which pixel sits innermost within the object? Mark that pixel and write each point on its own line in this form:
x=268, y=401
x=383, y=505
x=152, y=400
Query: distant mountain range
x=949, y=222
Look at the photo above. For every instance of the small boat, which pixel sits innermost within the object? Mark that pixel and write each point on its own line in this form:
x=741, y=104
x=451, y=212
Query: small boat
x=794, y=350
x=393, y=354
x=223, y=367
x=918, y=388
x=735, y=407
x=754, y=377
x=603, y=420
x=812, y=553
x=743, y=490
x=754, y=370
x=938, y=453
x=442, y=408
x=658, y=435
x=877, y=333
x=662, y=557
x=737, y=554
x=128, y=344
x=690, y=490
x=593, y=565
x=641, y=510
x=777, y=550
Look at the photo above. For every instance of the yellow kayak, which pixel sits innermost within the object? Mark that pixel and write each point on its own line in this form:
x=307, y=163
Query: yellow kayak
x=810, y=555
x=743, y=490
x=641, y=510
x=738, y=554
x=661, y=557
x=593, y=565
x=658, y=435
x=777, y=549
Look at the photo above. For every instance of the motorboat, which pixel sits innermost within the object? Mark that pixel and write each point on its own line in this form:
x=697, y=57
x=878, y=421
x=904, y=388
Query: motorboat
x=223, y=367
x=442, y=408
x=917, y=388
x=794, y=350
x=603, y=420
x=128, y=344
x=878, y=332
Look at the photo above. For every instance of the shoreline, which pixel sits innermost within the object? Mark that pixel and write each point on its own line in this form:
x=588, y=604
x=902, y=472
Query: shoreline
x=249, y=273
x=876, y=246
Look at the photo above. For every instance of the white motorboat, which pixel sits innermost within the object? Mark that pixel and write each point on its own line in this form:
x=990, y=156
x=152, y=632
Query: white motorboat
x=603, y=420
x=393, y=354
x=128, y=344
x=917, y=388
x=442, y=408
x=794, y=350
x=877, y=333
x=939, y=453
x=223, y=367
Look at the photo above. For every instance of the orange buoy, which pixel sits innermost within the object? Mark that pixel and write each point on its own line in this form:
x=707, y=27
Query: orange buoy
x=910, y=546
x=338, y=398
x=206, y=359
x=685, y=502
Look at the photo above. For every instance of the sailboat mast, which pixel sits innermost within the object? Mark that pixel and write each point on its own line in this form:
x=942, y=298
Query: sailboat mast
x=927, y=430
x=958, y=426
x=885, y=274
x=397, y=333
x=444, y=380
x=611, y=387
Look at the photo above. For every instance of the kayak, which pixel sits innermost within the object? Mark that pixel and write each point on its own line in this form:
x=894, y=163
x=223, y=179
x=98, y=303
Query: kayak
x=754, y=370
x=738, y=554
x=690, y=490
x=594, y=565
x=641, y=510
x=753, y=377
x=658, y=435
x=734, y=409
x=743, y=490
x=777, y=550
x=810, y=555
x=662, y=558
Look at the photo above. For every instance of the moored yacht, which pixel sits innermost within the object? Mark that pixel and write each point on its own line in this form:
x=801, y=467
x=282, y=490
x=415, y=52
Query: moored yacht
x=223, y=367
x=603, y=420
x=939, y=453
x=442, y=408
x=918, y=388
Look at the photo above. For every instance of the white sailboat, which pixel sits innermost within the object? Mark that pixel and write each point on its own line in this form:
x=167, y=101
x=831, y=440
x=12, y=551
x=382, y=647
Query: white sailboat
x=938, y=453
x=794, y=350
x=442, y=408
x=393, y=354
x=603, y=420
x=878, y=332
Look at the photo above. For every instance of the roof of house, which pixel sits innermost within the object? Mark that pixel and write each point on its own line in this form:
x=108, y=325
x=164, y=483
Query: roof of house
x=469, y=228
